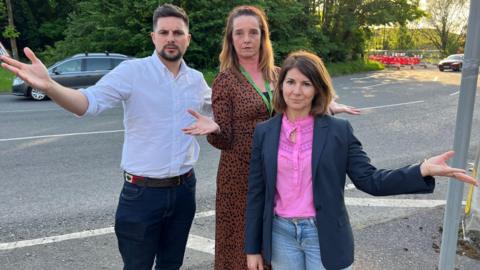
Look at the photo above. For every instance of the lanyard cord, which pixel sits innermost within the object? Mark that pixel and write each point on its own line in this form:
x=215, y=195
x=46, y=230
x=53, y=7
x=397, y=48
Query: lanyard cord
x=268, y=102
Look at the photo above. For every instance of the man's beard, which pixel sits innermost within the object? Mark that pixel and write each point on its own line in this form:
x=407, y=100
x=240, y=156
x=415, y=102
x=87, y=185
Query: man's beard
x=169, y=57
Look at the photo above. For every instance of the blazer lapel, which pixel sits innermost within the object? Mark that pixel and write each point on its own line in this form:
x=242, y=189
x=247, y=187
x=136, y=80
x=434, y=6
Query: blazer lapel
x=272, y=140
x=320, y=132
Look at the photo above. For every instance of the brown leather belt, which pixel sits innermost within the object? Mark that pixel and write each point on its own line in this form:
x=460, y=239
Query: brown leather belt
x=156, y=182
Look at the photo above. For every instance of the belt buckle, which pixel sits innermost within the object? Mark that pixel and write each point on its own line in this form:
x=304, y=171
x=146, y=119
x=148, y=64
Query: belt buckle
x=129, y=177
x=178, y=180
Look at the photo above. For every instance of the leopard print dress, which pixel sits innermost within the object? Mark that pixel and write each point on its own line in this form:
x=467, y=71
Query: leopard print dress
x=237, y=108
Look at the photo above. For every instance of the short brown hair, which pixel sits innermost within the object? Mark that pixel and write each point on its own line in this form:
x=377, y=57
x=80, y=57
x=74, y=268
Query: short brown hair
x=228, y=57
x=313, y=68
x=169, y=10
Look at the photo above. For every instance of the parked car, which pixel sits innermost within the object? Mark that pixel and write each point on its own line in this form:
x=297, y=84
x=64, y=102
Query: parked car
x=453, y=62
x=78, y=71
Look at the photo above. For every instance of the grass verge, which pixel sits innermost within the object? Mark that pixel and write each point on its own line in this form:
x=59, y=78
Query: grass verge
x=344, y=68
x=335, y=69
x=6, y=78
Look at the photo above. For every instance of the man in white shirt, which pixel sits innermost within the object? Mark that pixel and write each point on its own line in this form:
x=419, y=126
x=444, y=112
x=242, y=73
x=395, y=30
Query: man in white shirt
x=160, y=94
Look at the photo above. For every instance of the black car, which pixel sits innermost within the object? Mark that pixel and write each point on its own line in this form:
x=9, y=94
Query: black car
x=78, y=71
x=453, y=62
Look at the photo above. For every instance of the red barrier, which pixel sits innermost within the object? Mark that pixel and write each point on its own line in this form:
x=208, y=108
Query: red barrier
x=395, y=60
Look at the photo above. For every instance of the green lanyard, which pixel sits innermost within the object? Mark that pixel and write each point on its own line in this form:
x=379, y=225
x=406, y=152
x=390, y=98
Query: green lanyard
x=268, y=102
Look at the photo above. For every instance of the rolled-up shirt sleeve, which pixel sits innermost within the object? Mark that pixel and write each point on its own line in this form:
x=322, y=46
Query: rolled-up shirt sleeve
x=110, y=90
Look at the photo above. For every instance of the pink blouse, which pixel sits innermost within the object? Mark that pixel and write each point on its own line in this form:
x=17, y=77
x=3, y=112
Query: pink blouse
x=294, y=194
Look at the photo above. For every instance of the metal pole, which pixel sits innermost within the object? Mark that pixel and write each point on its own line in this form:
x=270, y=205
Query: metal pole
x=462, y=137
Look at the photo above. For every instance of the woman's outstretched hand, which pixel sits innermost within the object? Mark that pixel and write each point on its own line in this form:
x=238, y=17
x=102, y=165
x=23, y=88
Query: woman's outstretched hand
x=337, y=108
x=437, y=166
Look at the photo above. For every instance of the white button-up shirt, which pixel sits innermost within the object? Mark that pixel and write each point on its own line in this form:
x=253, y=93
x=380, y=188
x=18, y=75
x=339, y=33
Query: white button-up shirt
x=155, y=110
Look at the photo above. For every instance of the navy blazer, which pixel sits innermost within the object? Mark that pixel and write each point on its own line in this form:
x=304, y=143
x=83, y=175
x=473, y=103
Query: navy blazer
x=336, y=152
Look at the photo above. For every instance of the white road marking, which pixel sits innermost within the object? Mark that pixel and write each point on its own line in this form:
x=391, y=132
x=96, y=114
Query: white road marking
x=393, y=105
x=121, y=130
x=194, y=241
x=54, y=239
x=201, y=244
x=22, y=111
x=374, y=85
x=361, y=78
x=205, y=214
x=60, y=135
x=380, y=202
x=349, y=186
x=207, y=245
x=455, y=93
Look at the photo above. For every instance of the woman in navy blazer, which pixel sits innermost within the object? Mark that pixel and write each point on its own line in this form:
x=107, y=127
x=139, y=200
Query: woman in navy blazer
x=304, y=89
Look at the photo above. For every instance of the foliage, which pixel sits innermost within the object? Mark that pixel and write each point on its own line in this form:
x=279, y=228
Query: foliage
x=10, y=32
x=448, y=19
x=209, y=75
x=404, y=38
x=348, y=22
x=337, y=30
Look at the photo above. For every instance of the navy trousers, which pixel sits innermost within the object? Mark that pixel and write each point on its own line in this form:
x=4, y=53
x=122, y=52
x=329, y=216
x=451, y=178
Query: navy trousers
x=152, y=224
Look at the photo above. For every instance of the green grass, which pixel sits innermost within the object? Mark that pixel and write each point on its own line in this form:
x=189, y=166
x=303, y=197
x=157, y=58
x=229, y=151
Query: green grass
x=6, y=78
x=335, y=69
x=344, y=68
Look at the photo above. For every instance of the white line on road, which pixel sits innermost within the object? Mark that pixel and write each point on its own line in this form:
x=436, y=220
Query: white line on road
x=60, y=135
x=393, y=105
x=374, y=85
x=22, y=111
x=121, y=130
x=349, y=186
x=409, y=203
x=202, y=244
x=193, y=242
x=455, y=93
x=207, y=245
x=361, y=78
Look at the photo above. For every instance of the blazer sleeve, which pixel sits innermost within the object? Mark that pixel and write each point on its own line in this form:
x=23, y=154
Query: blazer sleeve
x=381, y=182
x=255, y=197
x=222, y=108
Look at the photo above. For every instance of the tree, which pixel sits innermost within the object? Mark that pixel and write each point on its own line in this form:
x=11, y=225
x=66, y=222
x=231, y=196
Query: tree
x=404, y=39
x=448, y=19
x=347, y=23
x=10, y=32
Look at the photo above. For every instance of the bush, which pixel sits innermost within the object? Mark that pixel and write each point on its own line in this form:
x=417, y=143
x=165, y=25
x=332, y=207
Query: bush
x=344, y=68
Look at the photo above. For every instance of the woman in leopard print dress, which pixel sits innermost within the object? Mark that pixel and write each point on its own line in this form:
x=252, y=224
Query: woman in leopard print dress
x=241, y=98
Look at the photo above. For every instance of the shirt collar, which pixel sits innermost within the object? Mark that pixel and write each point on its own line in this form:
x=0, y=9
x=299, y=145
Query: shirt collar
x=289, y=126
x=183, y=66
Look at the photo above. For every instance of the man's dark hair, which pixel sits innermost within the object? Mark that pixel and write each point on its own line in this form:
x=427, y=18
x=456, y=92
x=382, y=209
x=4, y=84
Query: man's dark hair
x=169, y=10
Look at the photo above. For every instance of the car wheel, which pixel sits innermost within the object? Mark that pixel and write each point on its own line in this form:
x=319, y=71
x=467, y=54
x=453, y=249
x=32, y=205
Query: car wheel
x=37, y=94
x=441, y=69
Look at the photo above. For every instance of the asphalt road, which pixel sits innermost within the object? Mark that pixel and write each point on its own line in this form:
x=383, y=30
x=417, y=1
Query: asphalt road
x=61, y=177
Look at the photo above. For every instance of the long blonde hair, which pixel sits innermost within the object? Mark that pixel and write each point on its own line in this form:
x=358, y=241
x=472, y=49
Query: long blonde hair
x=228, y=57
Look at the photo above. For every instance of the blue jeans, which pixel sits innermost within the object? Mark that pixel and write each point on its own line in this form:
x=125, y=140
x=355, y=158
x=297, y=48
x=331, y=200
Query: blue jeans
x=153, y=224
x=295, y=244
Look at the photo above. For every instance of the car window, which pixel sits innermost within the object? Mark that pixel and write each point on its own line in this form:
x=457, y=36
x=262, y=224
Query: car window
x=94, y=64
x=455, y=57
x=117, y=61
x=70, y=66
